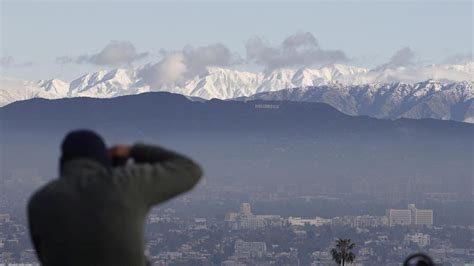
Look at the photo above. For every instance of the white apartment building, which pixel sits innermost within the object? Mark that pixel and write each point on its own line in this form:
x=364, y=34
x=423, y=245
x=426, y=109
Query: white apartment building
x=399, y=217
x=410, y=216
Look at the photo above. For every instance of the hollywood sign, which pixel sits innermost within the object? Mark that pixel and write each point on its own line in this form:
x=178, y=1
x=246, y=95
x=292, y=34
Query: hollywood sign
x=267, y=106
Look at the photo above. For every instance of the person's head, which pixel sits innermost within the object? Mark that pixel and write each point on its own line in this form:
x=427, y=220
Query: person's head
x=84, y=144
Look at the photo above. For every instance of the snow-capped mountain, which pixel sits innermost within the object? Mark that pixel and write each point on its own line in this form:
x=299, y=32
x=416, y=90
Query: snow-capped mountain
x=54, y=86
x=12, y=90
x=337, y=80
x=215, y=83
x=105, y=84
x=428, y=99
x=222, y=84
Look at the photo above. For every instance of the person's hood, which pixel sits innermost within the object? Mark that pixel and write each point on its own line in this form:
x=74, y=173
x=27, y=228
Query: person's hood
x=84, y=144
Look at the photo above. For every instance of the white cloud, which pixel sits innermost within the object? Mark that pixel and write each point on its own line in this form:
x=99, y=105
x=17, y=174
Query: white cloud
x=458, y=58
x=63, y=60
x=197, y=59
x=10, y=61
x=403, y=57
x=115, y=53
x=167, y=72
x=177, y=66
x=299, y=49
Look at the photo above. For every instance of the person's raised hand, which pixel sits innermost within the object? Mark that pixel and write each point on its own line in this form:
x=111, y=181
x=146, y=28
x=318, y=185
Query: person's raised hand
x=119, y=153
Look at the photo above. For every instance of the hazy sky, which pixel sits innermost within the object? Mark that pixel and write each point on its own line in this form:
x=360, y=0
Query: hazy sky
x=42, y=40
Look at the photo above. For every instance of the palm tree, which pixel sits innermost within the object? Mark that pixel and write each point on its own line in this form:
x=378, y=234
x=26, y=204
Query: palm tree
x=342, y=253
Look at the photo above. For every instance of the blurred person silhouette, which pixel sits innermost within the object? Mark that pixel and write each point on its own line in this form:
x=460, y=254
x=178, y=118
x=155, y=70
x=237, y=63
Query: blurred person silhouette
x=93, y=214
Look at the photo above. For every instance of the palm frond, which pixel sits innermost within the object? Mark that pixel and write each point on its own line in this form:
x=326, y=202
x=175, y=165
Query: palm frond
x=342, y=251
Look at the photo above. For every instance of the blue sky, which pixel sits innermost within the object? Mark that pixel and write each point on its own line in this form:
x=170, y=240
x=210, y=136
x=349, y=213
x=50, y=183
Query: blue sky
x=35, y=33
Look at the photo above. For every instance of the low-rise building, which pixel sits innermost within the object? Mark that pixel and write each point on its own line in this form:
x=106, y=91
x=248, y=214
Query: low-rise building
x=422, y=240
x=250, y=249
x=317, y=221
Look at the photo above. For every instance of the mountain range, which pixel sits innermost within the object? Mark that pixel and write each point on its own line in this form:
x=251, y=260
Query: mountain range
x=254, y=142
x=428, y=99
x=382, y=93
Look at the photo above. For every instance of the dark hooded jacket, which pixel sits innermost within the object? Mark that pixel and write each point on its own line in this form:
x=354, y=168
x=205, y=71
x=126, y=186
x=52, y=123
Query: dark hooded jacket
x=94, y=213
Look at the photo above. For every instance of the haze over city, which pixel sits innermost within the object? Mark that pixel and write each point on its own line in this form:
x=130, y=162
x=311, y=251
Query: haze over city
x=311, y=128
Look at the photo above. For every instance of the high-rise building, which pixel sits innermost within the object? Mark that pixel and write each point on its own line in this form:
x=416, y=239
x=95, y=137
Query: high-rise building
x=245, y=209
x=423, y=217
x=412, y=209
x=398, y=217
x=420, y=217
x=410, y=216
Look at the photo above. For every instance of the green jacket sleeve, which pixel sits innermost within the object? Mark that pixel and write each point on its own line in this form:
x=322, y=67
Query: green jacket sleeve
x=159, y=174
